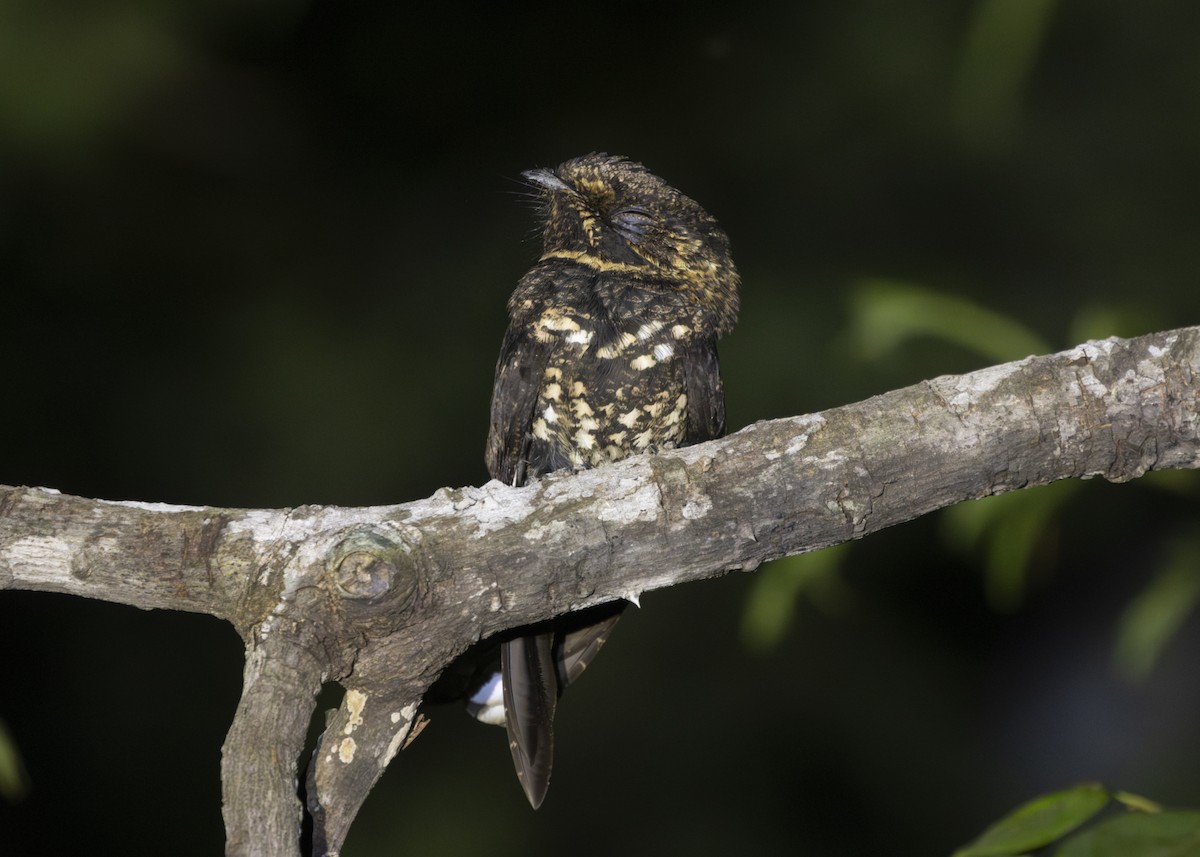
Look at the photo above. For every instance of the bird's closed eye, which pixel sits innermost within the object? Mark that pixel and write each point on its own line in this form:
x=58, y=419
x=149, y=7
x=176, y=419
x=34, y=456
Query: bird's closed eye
x=632, y=221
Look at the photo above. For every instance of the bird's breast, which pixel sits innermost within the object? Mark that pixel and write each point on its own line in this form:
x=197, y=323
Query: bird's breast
x=603, y=398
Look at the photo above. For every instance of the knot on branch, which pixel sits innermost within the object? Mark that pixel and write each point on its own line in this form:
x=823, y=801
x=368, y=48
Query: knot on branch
x=369, y=566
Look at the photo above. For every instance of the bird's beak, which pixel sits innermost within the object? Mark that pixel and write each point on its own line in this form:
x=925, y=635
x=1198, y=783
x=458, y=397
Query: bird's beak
x=546, y=179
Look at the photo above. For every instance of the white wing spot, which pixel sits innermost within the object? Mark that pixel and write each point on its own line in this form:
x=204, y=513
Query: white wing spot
x=584, y=439
x=581, y=408
x=614, y=349
x=553, y=321
x=649, y=329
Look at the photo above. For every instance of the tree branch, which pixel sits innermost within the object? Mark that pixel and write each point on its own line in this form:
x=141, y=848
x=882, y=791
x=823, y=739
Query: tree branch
x=382, y=599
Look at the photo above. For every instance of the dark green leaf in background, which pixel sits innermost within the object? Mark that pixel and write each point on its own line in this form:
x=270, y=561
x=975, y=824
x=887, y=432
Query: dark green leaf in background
x=1167, y=834
x=1039, y=822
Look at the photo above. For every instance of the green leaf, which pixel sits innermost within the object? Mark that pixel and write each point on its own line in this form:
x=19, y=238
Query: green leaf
x=771, y=603
x=1167, y=834
x=886, y=313
x=1039, y=822
x=1002, y=45
x=1010, y=527
x=1151, y=619
x=1013, y=541
x=13, y=782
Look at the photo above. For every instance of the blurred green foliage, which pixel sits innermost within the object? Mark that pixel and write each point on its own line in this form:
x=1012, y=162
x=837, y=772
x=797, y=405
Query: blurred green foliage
x=886, y=314
x=1039, y=822
x=1134, y=835
x=69, y=77
x=13, y=783
x=1009, y=528
x=1000, y=52
x=1160, y=610
x=771, y=601
x=1144, y=830
x=256, y=254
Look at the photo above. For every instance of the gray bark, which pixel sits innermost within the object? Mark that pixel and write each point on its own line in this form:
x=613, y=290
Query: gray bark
x=381, y=599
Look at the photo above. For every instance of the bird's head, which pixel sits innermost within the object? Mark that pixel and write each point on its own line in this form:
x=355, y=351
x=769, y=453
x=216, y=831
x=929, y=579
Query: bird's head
x=613, y=214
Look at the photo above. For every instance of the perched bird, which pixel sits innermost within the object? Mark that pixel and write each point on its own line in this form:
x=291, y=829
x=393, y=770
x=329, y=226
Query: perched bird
x=611, y=351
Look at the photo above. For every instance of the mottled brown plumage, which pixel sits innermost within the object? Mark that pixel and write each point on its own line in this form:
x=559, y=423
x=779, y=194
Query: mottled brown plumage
x=611, y=351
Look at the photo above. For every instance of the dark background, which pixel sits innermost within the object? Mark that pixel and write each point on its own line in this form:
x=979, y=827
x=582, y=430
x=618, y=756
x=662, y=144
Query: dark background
x=257, y=254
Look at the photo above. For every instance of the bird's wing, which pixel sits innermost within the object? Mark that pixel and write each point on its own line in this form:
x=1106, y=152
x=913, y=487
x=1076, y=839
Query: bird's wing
x=580, y=636
x=519, y=375
x=706, y=396
x=526, y=663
